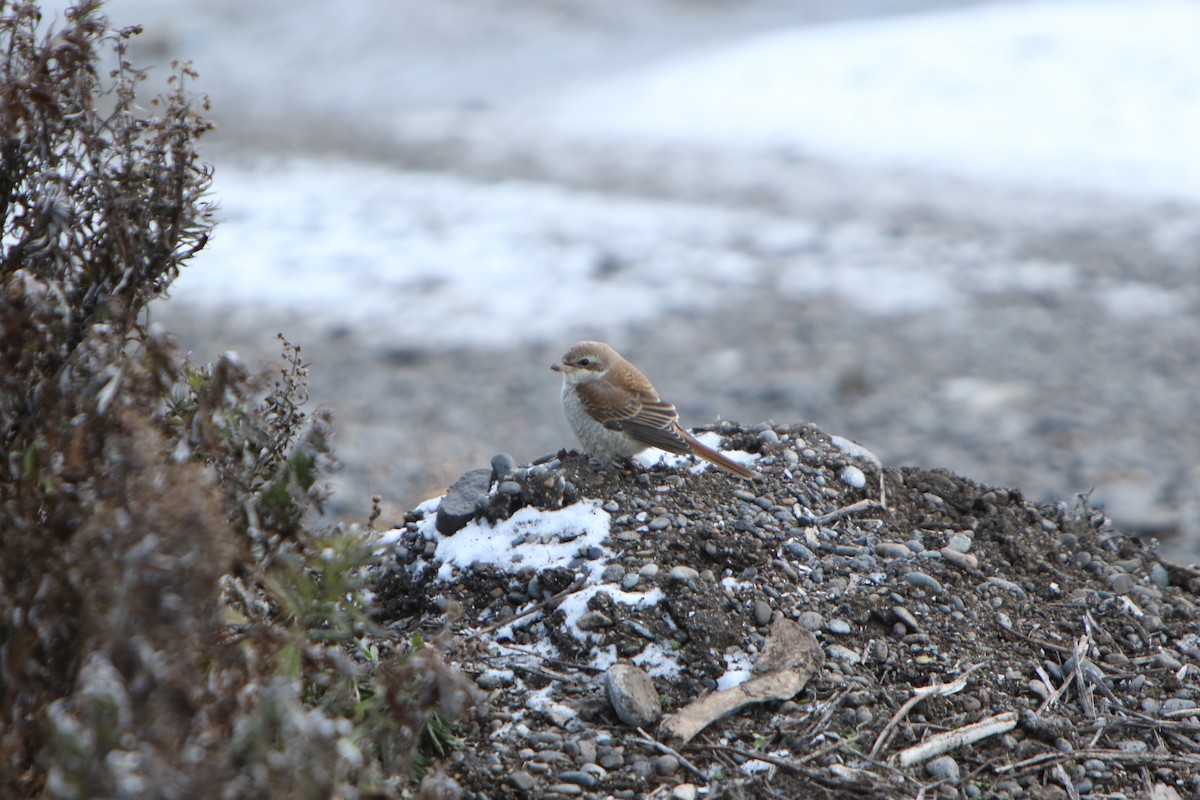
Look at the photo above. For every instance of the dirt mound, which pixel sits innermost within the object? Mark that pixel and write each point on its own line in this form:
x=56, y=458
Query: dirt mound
x=1074, y=642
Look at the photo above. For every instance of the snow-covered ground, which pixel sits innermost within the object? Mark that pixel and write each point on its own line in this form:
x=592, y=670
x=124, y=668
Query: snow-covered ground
x=1101, y=95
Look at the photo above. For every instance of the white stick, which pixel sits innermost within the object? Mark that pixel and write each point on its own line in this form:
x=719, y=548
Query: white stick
x=945, y=742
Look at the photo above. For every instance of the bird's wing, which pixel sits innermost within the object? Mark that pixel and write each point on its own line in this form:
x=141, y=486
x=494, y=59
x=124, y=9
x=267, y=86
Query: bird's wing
x=655, y=424
x=642, y=415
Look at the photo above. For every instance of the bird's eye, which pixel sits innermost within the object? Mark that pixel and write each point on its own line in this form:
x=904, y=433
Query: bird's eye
x=583, y=362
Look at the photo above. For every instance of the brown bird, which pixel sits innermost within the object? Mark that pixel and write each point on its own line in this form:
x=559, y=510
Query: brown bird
x=615, y=410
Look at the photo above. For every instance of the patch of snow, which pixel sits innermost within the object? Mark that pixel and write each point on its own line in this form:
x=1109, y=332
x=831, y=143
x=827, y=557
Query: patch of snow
x=737, y=669
x=529, y=538
x=654, y=457
x=658, y=661
x=575, y=604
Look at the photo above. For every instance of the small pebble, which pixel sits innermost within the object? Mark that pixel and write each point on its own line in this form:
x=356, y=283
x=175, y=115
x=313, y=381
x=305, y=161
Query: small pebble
x=682, y=574
x=503, y=465
x=584, y=779
x=892, y=550
x=926, y=582
x=958, y=558
x=906, y=617
x=660, y=523
x=564, y=789
x=838, y=652
x=943, y=768
x=593, y=620
x=1159, y=576
x=666, y=764
x=1120, y=582
x=612, y=573
x=630, y=581
x=1007, y=586
x=633, y=695
x=686, y=791
x=960, y=542
x=521, y=781
x=797, y=550
x=1164, y=659
x=853, y=477
x=762, y=613
x=811, y=620
x=840, y=627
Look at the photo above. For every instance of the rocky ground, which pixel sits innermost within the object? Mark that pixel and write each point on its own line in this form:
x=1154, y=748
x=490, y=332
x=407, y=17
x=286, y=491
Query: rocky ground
x=899, y=606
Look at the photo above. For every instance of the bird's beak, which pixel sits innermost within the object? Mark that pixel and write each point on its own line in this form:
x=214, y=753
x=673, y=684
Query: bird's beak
x=556, y=367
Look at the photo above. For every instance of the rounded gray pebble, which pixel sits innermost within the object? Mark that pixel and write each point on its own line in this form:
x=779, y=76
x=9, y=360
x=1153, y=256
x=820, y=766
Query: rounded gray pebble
x=1159, y=576
x=612, y=573
x=926, y=582
x=503, y=465
x=838, y=652
x=840, y=627
x=960, y=542
x=853, y=477
x=1120, y=582
x=892, y=550
x=943, y=768
x=660, y=523
x=666, y=764
x=811, y=620
x=797, y=550
x=521, y=781
x=564, y=789
x=1169, y=661
x=682, y=574
x=584, y=779
x=906, y=617
x=958, y=558
x=630, y=581
x=762, y=613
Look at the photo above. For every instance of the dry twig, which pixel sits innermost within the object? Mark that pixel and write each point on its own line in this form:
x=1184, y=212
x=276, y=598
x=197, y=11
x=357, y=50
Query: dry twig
x=934, y=690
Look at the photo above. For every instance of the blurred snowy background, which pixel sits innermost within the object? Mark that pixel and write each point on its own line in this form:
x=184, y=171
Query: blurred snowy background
x=963, y=234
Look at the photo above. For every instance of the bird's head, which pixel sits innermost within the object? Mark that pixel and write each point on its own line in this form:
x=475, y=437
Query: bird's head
x=586, y=361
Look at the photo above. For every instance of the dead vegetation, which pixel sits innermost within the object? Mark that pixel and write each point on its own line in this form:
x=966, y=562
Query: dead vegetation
x=173, y=622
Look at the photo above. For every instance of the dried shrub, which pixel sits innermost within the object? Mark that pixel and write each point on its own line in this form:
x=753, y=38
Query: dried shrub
x=173, y=620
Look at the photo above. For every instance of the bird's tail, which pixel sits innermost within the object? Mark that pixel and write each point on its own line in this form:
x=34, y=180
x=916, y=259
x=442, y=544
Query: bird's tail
x=716, y=457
